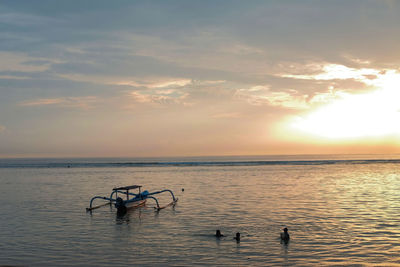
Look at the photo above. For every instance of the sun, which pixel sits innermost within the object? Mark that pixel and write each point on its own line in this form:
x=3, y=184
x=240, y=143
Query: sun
x=373, y=114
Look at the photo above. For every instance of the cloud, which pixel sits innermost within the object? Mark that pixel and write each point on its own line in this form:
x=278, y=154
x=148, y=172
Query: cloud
x=75, y=102
x=13, y=77
x=337, y=90
x=159, y=96
x=335, y=71
x=150, y=54
x=262, y=95
x=373, y=78
x=178, y=83
x=174, y=91
x=165, y=83
x=289, y=98
x=159, y=91
x=242, y=50
x=21, y=62
x=327, y=97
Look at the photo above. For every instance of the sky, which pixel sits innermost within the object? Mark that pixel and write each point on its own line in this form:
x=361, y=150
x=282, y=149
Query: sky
x=196, y=78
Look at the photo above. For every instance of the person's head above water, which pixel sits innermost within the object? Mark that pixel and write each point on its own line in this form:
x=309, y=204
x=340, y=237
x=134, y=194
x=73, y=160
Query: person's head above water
x=218, y=233
x=285, y=235
x=237, y=237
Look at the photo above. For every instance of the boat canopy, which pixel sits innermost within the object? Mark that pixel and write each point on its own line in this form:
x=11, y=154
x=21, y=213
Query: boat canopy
x=127, y=187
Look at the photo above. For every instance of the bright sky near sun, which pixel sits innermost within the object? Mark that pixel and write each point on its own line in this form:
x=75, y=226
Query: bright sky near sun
x=188, y=78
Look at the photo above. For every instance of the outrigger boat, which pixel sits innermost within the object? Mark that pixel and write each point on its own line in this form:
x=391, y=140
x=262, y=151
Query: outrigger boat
x=137, y=200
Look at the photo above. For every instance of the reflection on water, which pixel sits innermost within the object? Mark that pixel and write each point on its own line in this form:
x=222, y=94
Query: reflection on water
x=336, y=214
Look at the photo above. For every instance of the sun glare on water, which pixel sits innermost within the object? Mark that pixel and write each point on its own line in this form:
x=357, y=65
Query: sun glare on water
x=374, y=114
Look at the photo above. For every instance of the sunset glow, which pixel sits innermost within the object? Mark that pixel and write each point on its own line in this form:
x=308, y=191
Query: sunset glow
x=170, y=79
x=373, y=114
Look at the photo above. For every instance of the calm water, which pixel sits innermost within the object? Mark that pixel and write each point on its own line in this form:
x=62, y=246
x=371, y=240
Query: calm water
x=339, y=212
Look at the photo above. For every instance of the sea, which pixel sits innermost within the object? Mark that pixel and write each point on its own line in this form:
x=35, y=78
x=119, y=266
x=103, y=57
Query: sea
x=341, y=210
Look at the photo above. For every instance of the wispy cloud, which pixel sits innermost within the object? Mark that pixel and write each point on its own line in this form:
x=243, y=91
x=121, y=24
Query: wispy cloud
x=327, y=97
x=12, y=77
x=290, y=98
x=166, y=83
x=242, y=49
x=159, y=96
x=179, y=83
x=76, y=102
x=262, y=95
x=20, y=62
x=334, y=71
x=169, y=91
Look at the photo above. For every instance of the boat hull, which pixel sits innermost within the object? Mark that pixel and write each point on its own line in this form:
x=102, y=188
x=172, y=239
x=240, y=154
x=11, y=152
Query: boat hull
x=135, y=204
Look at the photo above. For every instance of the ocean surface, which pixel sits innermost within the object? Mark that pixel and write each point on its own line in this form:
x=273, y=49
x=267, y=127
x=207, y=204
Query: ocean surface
x=340, y=210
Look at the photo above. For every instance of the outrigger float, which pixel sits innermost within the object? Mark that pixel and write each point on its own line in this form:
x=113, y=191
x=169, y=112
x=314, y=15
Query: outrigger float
x=137, y=200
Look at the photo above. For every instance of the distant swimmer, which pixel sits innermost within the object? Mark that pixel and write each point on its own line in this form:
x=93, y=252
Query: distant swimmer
x=218, y=234
x=285, y=236
x=237, y=237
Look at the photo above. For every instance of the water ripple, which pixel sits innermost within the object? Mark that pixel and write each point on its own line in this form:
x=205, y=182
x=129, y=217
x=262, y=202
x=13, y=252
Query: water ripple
x=337, y=214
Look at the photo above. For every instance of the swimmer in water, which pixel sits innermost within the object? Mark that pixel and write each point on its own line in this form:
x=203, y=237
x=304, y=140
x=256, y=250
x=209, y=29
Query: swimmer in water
x=237, y=237
x=285, y=235
x=218, y=234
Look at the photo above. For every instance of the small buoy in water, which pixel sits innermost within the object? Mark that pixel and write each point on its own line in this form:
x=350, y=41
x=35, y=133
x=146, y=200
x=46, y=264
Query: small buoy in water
x=237, y=237
x=218, y=234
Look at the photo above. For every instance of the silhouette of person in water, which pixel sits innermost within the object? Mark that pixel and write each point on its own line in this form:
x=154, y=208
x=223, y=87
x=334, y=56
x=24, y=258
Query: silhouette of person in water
x=121, y=208
x=285, y=237
x=237, y=237
x=218, y=234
